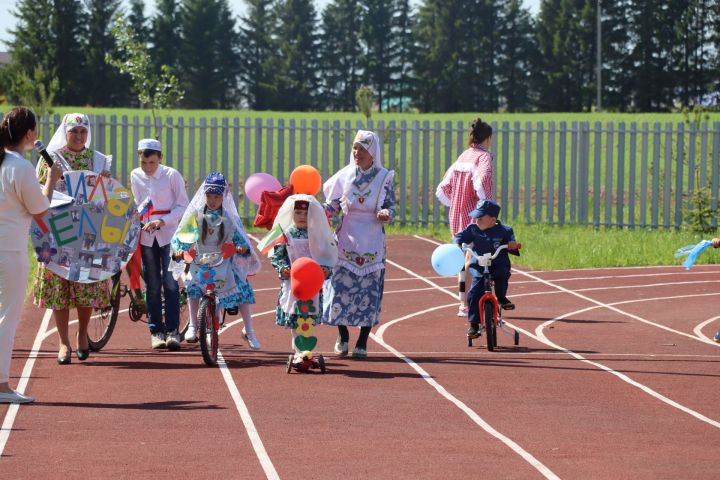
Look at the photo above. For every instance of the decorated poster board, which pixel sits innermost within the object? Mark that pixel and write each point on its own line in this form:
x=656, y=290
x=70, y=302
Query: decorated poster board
x=91, y=229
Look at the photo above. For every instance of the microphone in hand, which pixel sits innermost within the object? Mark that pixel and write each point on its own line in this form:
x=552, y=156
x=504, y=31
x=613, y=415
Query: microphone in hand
x=40, y=147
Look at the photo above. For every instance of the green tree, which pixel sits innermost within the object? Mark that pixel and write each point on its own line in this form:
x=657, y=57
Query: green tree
x=515, y=53
x=364, y=98
x=401, y=87
x=378, y=35
x=138, y=21
x=68, y=28
x=297, y=81
x=340, y=54
x=566, y=40
x=259, y=61
x=165, y=35
x=105, y=86
x=209, y=51
x=131, y=57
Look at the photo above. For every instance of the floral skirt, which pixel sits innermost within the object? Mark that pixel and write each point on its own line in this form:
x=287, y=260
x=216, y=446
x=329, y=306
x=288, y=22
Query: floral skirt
x=54, y=292
x=353, y=300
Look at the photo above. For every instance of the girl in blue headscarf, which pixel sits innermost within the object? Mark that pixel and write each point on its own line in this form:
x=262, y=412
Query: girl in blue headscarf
x=211, y=224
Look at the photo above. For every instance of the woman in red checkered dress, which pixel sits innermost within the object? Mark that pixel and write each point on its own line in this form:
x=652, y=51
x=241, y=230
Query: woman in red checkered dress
x=470, y=179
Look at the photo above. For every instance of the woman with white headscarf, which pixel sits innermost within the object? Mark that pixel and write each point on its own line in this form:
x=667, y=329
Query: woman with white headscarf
x=70, y=146
x=362, y=195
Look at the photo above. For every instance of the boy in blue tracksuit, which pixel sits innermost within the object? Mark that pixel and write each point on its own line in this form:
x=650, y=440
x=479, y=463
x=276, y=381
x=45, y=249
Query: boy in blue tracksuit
x=486, y=234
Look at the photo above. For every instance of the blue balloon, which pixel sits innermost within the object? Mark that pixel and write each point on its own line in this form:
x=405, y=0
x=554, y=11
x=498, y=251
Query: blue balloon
x=447, y=260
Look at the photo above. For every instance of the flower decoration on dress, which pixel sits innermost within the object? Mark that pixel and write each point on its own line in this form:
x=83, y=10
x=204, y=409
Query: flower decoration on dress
x=45, y=252
x=305, y=308
x=305, y=327
x=206, y=275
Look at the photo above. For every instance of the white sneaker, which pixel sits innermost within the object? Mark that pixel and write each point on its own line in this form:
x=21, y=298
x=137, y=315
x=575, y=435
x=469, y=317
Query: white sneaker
x=172, y=340
x=15, y=397
x=462, y=311
x=341, y=348
x=191, y=334
x=252, y=340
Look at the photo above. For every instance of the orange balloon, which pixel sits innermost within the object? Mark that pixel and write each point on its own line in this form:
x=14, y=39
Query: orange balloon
x=306, y=179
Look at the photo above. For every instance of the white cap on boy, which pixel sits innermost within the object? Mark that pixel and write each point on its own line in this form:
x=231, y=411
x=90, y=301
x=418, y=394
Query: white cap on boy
x=149, y=144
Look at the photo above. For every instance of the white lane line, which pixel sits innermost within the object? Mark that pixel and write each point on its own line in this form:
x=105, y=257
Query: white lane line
x=622, y=376
x=527, y=456
x=617, y=310
x=698, y=330
x=252, y=432
x=12, y=411
x=541, y=338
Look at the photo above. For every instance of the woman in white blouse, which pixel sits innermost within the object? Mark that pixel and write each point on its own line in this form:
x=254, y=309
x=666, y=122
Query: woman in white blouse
x=21, y=198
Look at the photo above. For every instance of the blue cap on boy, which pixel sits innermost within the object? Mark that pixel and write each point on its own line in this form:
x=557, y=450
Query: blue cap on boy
x=486, y=207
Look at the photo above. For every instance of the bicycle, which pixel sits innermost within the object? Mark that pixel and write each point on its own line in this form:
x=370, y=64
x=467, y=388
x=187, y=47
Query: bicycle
x=489, y=306
x=209, y=325
x=102, y=323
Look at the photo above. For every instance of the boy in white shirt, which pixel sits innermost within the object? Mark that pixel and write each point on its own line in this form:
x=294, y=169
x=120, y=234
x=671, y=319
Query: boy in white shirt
x=161, y=190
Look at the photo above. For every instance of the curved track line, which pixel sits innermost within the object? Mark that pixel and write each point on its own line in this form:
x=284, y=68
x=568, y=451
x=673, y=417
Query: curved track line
x=527, y=456
x=622, y=376
x=24, y=379
x=542, y=338
x=698, y=329
x=616, y=310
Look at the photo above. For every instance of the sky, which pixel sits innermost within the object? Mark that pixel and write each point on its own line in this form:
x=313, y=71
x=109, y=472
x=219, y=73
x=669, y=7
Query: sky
x=7, y=19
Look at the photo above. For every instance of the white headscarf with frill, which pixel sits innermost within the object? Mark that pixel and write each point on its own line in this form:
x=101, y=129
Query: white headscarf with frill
x=323, y=246
x=340, y=184
x=59, y=140
x=247, y=265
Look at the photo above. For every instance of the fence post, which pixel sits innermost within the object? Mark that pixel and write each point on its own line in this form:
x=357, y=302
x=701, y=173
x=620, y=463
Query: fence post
x=679, y=174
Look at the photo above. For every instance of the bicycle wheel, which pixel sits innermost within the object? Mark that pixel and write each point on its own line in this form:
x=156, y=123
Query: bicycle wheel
x=207, y=318
x=101, y=325
x=489, y=323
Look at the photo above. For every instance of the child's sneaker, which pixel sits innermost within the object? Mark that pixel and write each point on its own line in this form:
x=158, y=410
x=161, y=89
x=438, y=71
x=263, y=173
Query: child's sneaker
x=474, y=330
x=172, y=340
x=253, y=342
x=462, y=311
x=191, y=334
x=157, y=340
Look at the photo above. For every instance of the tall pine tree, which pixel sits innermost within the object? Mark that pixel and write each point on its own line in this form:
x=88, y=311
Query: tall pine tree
x=402, y=85
x=515, y=53
x=340, y=54
x=138, y=21
x=209, y=52
x=378, y=40
x=103, y=85
x=297, y=79
x=258, y=54
x=165, y=35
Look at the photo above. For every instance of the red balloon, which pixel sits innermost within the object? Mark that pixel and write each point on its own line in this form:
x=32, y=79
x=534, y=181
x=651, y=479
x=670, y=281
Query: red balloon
x=306, y=179
x=306, y=278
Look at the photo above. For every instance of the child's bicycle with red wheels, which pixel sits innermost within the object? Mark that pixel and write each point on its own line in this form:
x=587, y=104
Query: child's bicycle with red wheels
x=210, y=317
x=489, y=307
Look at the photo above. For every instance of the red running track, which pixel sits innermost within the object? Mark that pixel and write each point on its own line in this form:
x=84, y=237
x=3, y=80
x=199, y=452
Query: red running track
x=615, y=377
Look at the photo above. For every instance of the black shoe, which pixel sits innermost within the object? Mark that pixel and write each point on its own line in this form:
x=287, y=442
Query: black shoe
x=66, y=359
x=82, y=354
x=507, y=305
x=473, y=331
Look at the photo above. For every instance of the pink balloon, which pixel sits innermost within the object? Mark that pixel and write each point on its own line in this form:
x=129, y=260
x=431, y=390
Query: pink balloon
x=257, y=183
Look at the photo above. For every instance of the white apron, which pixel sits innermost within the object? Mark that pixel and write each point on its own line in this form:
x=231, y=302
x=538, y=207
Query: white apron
x=361, y=242
x=296, y=248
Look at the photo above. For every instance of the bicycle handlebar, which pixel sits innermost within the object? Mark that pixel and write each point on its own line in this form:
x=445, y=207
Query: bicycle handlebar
x=466, y=248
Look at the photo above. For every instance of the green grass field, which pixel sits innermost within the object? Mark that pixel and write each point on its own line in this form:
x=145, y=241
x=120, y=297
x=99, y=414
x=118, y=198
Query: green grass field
x=548, y=247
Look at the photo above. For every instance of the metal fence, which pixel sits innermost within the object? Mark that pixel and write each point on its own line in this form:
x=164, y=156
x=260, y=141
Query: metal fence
x=638, y=175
